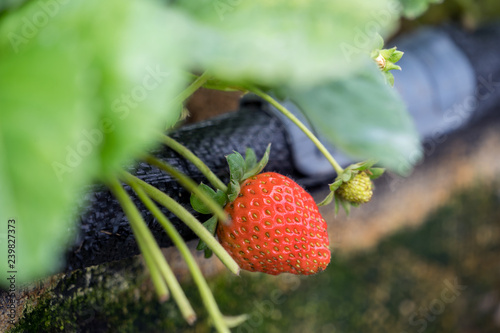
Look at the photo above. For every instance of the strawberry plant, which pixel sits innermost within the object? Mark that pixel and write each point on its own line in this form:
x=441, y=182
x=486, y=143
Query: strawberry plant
x=87, y=87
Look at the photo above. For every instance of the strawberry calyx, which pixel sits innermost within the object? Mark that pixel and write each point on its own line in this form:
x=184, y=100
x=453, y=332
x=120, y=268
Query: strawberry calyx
x=210, y=224
x=240, y=168
x=243, y=168
x=353, y=186
x=386, y=59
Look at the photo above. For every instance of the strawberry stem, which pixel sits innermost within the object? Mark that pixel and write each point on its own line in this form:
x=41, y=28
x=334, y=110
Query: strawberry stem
x=195, y=85
x=190, y=185
x=299, y=124
x=187, y=154
x=184, y=215
x=205, y=292
x=148, y=244
x=154, y=271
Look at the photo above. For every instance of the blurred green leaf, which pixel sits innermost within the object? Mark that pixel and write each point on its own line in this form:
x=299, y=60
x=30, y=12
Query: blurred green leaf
x=363, y=116
x=10, y=4
x=415, y=8
x=292, y=42
x=327, y=200
x=83, y=89
x=336, y=184
x=346, y=175
x=376, y=173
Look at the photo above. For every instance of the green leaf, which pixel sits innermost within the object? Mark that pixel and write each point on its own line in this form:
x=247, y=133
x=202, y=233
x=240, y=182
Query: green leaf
x=210, y=225
x=379, y=42
x=220, y=197
x=63, y=121
x=365, y=165
x=136, y=90
x=208, y=253
x=236, y=164
x=336, y=184
x=346, y=175
x=376, y=173
x=327, y=200
x=390, y=66
x=199, y=205
x=362, y=116
x=202, y=246
x=395, y=56
x=233, y=189
x=337, y=205
x=389, y=78
x=291, y=42
x=387, y=53
x=250, y=159
x=259, y=166
x=414, y=8
x=346, y=205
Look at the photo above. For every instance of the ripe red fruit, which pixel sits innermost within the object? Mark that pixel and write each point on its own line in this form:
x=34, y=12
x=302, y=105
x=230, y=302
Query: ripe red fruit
x=275, y=227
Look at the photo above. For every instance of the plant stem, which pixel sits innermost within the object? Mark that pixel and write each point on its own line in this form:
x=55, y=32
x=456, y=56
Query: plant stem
x=190, y=185
x=184, y=215
x=304, y=129
x=145, y=247
x=195, y=85
x=187, y=154
x=147, y=241
x=205, y=292
x=156, y=277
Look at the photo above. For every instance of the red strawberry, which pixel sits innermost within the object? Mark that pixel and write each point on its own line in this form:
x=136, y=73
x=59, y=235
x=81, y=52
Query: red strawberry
x=275, y=227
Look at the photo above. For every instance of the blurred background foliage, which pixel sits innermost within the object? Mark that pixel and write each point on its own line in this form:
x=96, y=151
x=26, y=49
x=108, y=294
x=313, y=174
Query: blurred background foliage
x=470, y=13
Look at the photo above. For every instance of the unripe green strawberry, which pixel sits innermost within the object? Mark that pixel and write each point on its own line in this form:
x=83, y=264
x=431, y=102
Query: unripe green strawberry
x=358, y=190
x=275, y=227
